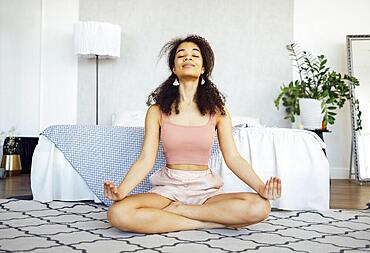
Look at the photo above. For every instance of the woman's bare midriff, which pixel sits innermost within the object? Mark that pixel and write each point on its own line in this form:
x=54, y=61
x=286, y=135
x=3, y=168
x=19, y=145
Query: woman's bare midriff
x=187, y=167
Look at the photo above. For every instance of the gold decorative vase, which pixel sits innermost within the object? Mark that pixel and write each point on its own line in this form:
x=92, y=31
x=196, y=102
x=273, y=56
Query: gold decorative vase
x=12, y=164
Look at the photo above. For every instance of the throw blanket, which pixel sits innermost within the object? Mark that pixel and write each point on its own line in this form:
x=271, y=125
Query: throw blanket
x=100, y=153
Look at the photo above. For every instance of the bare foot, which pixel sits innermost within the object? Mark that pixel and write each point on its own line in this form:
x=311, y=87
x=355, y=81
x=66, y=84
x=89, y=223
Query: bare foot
x=180, y=209
x=174, y=207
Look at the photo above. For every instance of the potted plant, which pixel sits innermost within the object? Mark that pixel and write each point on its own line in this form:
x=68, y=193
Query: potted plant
x=10, y=142
x=316, y=82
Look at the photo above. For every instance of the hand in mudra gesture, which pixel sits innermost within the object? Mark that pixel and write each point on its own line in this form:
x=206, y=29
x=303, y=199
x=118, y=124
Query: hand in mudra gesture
x=111, y=191
x=272, y=189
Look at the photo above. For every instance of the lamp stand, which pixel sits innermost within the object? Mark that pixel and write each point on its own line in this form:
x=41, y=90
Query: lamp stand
x=97, y=39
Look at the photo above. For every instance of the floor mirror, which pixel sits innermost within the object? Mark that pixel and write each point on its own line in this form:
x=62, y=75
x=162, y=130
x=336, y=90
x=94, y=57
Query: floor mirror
x=358, y=56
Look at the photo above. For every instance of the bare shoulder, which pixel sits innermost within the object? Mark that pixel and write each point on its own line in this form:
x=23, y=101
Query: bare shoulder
x=154, y=109
x=153, y=114
x=222, y=118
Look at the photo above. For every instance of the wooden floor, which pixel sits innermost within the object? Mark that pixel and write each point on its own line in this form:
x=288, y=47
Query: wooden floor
x=15, y=186
x=344, y=194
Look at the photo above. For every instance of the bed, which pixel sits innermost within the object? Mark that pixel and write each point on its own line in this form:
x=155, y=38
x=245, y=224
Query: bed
x=71, y=162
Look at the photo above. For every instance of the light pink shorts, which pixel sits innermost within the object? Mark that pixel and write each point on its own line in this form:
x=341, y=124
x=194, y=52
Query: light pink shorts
x=186, y=186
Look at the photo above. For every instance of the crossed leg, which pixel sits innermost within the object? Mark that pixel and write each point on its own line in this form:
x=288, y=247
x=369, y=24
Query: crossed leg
x=143, y=213
x=152, y=213
x=231, y=209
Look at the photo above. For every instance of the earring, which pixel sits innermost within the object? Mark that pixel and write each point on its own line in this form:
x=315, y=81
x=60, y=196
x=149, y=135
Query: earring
x=176, y=83
x=203, y=81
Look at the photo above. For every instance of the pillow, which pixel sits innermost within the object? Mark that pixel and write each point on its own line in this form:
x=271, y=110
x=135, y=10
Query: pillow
x=130, y=119
x=243, y=121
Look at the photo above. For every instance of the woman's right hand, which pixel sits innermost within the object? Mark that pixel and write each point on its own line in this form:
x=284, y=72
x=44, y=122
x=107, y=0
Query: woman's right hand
x=111, y=191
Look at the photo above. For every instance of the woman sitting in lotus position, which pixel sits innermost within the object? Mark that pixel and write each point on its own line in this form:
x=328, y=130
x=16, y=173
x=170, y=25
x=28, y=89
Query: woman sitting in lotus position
x=184, y=112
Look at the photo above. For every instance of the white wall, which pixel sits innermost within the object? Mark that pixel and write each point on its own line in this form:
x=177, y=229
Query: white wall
x=20, y=65
x=38, y=69
x=321, y=28
x=58, y=86
x=248, y=38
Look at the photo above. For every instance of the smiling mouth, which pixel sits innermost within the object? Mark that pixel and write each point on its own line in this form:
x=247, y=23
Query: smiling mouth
x=188, y=66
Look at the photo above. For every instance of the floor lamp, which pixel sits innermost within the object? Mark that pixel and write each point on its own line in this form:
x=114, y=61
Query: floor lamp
x=97, y=40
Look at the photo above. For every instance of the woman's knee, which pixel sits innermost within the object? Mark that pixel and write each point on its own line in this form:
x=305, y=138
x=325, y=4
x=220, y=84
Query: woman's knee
x=120, y=216
x=261, y=208
x=256, y=209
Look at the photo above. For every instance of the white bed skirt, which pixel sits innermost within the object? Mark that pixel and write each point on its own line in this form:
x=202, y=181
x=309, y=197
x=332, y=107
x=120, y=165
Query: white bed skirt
x=295, y=156
x=53, y=177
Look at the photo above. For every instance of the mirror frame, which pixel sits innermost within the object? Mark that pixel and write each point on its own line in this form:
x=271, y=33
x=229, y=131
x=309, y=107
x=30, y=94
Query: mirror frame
x=354, y=144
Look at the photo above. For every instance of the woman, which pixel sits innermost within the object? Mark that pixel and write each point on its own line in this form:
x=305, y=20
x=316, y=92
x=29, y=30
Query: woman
x=184, y=113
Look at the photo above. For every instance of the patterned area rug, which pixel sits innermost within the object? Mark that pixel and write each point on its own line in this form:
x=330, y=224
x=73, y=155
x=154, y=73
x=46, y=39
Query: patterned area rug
x=27, y=225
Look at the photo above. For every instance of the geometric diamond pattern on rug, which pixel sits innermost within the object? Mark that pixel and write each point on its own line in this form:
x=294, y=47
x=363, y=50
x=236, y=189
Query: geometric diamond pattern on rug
x=30, y=226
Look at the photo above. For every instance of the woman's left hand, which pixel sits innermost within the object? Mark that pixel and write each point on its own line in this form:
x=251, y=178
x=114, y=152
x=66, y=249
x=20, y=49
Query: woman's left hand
x=272, y=189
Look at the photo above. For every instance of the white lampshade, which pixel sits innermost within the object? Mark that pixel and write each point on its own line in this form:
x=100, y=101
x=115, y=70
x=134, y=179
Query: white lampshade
x=97, y=38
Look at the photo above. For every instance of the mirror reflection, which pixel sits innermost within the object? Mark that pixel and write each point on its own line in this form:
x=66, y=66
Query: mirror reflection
x=358, y=47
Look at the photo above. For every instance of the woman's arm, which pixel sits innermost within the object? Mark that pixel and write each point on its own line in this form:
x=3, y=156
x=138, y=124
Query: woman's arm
x=144, y=164
x=238, y=165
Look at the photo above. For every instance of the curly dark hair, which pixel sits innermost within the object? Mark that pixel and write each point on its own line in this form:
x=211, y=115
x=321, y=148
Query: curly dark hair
x=207, y=96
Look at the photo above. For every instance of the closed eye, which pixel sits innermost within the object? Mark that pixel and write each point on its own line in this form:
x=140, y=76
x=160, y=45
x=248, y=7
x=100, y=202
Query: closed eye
x=181, y=56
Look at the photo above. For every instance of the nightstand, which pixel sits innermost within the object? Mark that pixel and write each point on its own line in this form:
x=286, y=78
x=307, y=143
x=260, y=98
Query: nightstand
x=19, y=162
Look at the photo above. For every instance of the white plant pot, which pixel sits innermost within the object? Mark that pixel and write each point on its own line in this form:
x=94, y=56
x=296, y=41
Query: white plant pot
x=310, y=110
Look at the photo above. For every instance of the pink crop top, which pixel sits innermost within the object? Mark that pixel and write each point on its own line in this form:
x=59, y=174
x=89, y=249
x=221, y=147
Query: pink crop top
x=187, y=144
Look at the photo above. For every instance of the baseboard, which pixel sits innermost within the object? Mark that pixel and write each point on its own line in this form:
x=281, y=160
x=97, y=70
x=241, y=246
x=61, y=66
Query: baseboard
x=339, y=173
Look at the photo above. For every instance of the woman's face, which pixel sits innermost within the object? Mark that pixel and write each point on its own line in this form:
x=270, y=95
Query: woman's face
x=188, y=61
